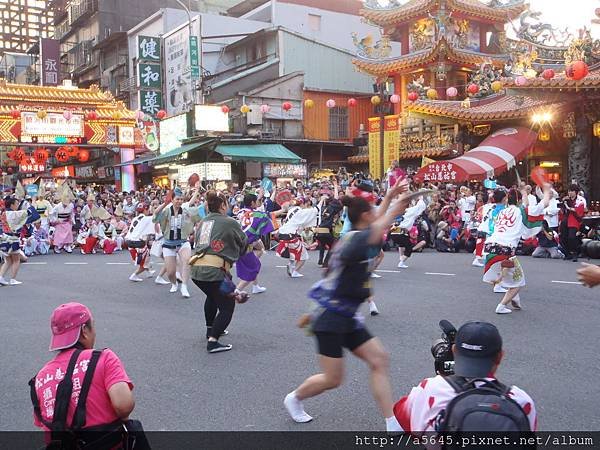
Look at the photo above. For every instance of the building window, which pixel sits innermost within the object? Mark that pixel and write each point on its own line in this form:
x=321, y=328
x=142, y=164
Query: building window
x=314, y=22
x=338, y=123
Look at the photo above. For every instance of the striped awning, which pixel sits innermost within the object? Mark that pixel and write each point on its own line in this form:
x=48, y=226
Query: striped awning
x=497, y=153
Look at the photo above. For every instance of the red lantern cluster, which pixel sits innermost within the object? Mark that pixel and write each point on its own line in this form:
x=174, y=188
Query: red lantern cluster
x=41, y=156
x=160, y=115
x=413, y=96
x=577, y=71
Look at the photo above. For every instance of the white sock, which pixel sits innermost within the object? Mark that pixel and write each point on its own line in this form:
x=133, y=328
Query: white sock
x=392, y=424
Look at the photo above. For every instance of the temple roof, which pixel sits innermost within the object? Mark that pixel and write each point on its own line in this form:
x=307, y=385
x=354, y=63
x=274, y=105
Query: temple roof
x=420, y=8
x=418, y=59
x=494, y=108
x=560, y=81
x=60, y=98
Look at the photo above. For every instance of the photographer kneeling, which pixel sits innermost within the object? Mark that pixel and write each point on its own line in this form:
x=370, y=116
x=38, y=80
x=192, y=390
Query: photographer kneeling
x=472, y=399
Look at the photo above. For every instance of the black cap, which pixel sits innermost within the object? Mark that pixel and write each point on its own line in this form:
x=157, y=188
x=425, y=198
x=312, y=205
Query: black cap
x=477, y=344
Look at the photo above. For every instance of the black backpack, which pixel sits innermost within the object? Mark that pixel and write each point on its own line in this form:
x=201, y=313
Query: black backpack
x=77, y=436
x=487, y=408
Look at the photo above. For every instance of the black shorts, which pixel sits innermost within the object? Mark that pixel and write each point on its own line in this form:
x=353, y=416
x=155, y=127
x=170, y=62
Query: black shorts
x=332, y=344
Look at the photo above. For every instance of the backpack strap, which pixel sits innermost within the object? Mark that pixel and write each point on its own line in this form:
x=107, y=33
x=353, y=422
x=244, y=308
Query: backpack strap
x=462, y=384
x=36, y=404
x=79, y=415
x=458, y=383
x=64, y=391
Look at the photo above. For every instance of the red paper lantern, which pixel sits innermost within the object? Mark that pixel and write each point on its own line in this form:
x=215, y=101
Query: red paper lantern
x=473, y=88
x=17, y=154
x=92, y=115
x=160, y=115
x=41, y=156
x=72, y=151
x=548, y=74
x=61, y=155
x=413, y=96
x=577, y=71
x=286, y=106
x=225, y=109
x=83, y=155
x=15, y=114
x=352, y=102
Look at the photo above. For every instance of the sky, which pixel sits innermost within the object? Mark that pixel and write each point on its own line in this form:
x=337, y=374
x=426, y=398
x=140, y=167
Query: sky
x=563, y=13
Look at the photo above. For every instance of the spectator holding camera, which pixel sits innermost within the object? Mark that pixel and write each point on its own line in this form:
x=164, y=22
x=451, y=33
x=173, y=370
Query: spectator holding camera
x=437, y=404
x=574, y=209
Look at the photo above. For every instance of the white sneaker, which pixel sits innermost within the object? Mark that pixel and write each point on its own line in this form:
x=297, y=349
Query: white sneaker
x=150, y=273
x=174, y=288
x=161, y=280
x=374, y=275
x=402, y=265
x=295, y=409
x=184, y=291
x=516, y=302
x=14, y=282
x=256, y=289
x=135, y=277
x=502, y=309
x=3, y=281
x=499, y=289
x=373, y=309
x=477, y=263
x=296, y=274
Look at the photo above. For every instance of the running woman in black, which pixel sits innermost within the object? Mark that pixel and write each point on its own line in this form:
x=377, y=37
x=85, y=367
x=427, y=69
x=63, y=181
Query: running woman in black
x=338, y=297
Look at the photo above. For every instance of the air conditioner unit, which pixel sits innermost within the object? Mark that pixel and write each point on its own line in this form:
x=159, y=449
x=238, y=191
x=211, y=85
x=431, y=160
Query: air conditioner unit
x=254, y=116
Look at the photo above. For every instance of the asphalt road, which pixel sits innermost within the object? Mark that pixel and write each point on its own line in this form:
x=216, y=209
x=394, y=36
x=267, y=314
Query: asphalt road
x=551, y=346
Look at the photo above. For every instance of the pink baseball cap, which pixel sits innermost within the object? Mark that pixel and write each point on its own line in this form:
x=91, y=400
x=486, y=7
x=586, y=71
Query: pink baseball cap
x=65, y=323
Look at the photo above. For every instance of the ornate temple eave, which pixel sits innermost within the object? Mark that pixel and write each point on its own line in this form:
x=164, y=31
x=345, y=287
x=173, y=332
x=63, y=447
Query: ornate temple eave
x=498, y=108
x=407, y=63
x=419, y=8
x=559, y=82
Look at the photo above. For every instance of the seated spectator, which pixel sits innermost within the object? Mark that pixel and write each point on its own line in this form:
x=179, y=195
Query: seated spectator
x=547, y=244
x=443, y=241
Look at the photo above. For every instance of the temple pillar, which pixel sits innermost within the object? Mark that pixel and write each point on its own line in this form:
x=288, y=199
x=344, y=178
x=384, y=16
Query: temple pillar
x=580, y=155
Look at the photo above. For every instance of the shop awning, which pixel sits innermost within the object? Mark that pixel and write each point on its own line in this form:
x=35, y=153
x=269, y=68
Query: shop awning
x=258, y=152
x=177, y=152
x=136, y=161
x=496, y=154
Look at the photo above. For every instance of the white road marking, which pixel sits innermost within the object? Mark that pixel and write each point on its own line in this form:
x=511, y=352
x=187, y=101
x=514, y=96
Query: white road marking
x=281, y=267
x=566, y=282
x=35, y=264
x=118, y=264
x=75, y=263
x=388, y=271
x=441, y=274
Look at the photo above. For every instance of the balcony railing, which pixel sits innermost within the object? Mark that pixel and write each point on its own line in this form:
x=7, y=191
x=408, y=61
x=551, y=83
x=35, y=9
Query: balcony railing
x=82, y=9
x=83, y=56
x=61, y=29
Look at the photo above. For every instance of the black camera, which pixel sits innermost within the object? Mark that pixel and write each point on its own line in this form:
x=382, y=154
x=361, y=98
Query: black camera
x=441, y=349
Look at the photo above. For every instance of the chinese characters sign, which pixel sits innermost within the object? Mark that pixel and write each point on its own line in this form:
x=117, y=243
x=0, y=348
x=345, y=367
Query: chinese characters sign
x=54, y=124
x=391, y=140
x=150, y=101
x=444, y=171
x=391, y=143
x=149, y=76
x=194, y=58
x=50, y=61
x=28, y=165
x=273, y=170
x=148, y=48
x=374, y=147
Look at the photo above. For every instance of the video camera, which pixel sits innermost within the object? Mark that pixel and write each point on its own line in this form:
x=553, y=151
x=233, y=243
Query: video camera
x=441, y=349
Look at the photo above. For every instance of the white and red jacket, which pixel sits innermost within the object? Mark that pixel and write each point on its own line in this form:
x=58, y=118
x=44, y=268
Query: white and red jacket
x=416, y=413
